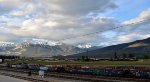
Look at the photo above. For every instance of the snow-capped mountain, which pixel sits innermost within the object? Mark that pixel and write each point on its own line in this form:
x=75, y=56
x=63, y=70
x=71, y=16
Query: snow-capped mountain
x=37, y=48
x=6, y=44
x=89, y=47
x=41, y=41
x=85, y=46
x=41, y=47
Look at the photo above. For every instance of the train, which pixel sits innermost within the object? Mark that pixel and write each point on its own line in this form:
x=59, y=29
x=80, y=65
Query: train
x=1, y=60
x=110, y=71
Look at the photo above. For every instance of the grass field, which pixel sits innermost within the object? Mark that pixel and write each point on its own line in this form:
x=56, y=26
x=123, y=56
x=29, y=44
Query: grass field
x=91, y=63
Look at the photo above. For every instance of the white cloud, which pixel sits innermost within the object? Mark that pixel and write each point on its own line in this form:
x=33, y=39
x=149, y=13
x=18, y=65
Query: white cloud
x=24, y=10
x=143, y=16
x=9, y=5
x=60, y=19
x=138, y=30
x=50, y=24
x=77, y=7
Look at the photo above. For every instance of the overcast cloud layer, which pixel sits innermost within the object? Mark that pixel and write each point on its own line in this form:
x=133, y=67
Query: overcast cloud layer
x=60, y=19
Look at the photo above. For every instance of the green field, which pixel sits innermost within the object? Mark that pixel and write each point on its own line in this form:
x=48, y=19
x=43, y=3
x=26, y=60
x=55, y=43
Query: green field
x=91, y=63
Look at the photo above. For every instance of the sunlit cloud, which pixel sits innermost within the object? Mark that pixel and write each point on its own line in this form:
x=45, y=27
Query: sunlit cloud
x=57, y=20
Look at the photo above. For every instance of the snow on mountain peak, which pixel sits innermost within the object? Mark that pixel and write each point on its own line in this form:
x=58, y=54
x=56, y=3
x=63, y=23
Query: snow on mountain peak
x=4, y=44
x=42, y=42
x=85, y=46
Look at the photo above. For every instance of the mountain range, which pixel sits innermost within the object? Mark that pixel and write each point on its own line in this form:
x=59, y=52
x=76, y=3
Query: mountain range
x=45, y=48
x=138, y=48
x=40, y=48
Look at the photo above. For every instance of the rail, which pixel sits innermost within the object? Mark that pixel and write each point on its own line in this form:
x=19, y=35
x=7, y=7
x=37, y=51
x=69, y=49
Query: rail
x=73, y=76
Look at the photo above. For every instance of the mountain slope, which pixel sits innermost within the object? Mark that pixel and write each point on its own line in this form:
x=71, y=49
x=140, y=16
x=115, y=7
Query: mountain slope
x=138, y=48
x=38, y=48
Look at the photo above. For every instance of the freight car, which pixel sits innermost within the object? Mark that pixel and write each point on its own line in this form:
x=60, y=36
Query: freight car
x=112, y=71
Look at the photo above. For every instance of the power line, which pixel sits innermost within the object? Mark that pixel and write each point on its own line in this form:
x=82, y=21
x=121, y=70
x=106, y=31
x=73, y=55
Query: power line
x=103, y=30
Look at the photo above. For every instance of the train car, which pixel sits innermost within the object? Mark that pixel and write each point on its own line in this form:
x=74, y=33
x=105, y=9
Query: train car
x=18, y=66
x=34, y=67
x=1, y=61
x=3, y=65
x=13, y=66
x=43, y=68
x=21, y=66
x=104, y=72
x=143, y=74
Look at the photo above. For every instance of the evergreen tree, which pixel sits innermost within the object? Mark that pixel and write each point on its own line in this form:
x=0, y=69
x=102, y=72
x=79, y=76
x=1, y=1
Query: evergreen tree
x=87, y=58
x=146, y=57
x=83, y=58
x=124, y=56
x=131, y=55
x=115, y=55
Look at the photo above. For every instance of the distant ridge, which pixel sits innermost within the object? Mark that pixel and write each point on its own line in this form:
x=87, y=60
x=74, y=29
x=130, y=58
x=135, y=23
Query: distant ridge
x=138, y=48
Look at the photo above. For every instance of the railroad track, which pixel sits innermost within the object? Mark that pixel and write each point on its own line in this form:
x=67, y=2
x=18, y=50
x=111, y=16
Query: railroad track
x=78, y=77
x=24, y=78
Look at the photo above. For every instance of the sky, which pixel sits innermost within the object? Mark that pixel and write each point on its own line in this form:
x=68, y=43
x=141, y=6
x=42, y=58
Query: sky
x=57, y=20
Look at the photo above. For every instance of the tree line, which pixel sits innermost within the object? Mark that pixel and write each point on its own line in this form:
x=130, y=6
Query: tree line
x=9, y=57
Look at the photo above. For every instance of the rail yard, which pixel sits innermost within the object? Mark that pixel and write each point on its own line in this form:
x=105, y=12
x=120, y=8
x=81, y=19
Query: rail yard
x=79, y=72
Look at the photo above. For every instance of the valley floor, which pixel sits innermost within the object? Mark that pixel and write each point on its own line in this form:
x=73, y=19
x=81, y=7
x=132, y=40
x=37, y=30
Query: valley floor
x=145, y=62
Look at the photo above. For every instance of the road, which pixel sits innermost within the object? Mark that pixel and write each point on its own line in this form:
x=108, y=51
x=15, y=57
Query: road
x=50, y=79
x=10, y=79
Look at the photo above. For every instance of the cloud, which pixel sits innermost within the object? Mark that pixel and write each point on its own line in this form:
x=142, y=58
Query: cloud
x=55, y=19
x=9, y=5
x=140, y=23
x=143, y=16
x=25, y=10
x=60, y=19
x=139, y=30
x=78, y=7
x=67, y=29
